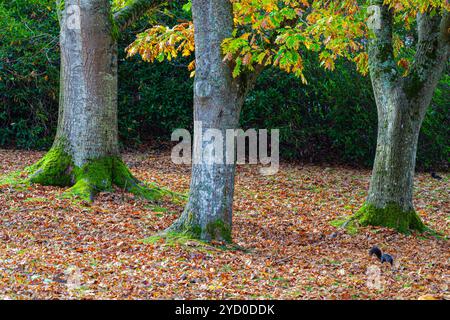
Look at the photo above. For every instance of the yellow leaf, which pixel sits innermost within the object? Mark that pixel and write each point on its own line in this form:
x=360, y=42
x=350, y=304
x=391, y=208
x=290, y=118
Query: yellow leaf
x=428, y=297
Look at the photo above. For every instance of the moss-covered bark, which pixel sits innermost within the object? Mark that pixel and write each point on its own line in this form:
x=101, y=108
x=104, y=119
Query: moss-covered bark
x=219, y=230
x=401, y=103
x=56, y=168
x=188, y=225
x=391, y=216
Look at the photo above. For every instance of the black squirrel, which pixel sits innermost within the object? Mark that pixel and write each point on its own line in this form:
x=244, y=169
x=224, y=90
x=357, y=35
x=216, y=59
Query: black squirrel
x=383, y=257
x=436, y=176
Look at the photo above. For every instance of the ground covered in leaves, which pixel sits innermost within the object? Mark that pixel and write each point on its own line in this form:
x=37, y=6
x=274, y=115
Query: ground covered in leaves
x=285, y=245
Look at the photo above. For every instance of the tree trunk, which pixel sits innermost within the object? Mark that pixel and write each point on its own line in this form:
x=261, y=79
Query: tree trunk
x=85, y=154
x=218, y=99
x=401, y=103
x=390, y=199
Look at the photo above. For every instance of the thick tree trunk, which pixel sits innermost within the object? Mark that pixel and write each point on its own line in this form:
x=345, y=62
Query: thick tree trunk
x=208, y=213
x=401, y=103
x=390, y=199
x=89, y=88
x=85, y=154
x=218, y=99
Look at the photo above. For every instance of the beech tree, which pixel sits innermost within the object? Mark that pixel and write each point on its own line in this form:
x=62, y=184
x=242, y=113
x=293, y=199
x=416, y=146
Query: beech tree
x=402, y=103
x=225, y=71
x=403, y=79
x=85, y=153
x=218, y=97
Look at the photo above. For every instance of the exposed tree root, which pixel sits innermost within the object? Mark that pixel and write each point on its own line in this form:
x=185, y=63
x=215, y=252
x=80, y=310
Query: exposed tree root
x=391, y=216
x=188, y=225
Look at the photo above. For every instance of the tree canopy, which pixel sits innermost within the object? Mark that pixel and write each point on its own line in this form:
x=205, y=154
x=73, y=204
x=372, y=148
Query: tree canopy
x=278, y=33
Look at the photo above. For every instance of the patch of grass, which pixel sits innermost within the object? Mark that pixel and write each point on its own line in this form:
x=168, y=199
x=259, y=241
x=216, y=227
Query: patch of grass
x=94, y=262
x=176, y=197
x=434, y=234
x=347, y=223
x=174, y=238
x=186, y=240
x=330, y=261
x=15, y=180
x=160, y=210
x=38, y=199
x=391, y=215
x=315, y=189
x=226, y=268
x=156, y=208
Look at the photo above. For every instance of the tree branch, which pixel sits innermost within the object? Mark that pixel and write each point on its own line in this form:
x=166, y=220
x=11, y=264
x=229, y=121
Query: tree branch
x=431, y=55
x=382, y=64
x=131, y=13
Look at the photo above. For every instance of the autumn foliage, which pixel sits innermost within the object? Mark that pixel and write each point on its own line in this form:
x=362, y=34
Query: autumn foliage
x=278, y=33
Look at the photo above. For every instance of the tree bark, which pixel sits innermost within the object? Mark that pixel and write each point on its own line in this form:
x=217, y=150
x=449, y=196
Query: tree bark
x=85, y=154
x=218, y=98
x=390, y=199
x=401, y=103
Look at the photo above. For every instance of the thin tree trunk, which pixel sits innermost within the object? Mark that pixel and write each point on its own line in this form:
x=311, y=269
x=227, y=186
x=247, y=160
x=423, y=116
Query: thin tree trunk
x=401, y=103
x=85, y=154
x=218, y=99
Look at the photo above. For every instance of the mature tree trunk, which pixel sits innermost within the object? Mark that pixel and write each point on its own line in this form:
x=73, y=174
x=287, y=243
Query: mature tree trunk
x=218, y=98
x=402, y=103
x=85, y=154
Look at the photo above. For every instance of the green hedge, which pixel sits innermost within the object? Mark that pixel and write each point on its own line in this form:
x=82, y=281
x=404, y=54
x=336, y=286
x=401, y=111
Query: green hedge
x=333, y=119
x=29, y=73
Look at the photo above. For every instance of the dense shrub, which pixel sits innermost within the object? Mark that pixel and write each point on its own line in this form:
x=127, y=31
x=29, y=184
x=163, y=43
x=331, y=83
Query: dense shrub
x=332, y=119
x=29, y=73
x=434, y=148
x=157, y=100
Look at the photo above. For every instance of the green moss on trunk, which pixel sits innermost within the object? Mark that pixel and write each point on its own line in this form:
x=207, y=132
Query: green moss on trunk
x=391, y=216
x=187, y=225
x=123, y=178
x=219, y=230
x=173, y=238
x=95, y=176
x=56, y=168
x=101, y=174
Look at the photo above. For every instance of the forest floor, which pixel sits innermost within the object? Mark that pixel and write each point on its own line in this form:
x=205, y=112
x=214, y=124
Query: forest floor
x=285, y=246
